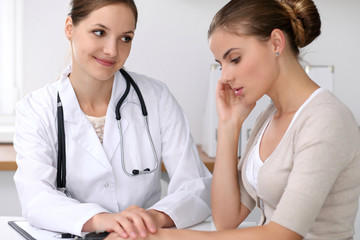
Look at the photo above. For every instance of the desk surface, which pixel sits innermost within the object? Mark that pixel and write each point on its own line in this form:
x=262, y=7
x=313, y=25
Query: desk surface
x=8, y=156
x=9, y=233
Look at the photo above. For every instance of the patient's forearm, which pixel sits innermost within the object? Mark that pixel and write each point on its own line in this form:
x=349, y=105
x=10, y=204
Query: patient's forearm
x=271, y=231
x=225, y=193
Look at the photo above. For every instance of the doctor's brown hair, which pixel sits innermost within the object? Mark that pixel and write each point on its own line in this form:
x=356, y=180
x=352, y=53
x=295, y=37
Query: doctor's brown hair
x=298, y=19
x=80, y=9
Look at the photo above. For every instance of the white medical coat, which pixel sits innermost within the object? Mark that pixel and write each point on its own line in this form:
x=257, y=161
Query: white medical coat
x=95, y=177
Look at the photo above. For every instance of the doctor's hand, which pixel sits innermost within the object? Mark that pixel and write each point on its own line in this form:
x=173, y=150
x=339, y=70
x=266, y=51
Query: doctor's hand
x=231, y=107
x=132, y=223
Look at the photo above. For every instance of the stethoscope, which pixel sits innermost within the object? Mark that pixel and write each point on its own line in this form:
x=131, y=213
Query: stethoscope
x=61, y=166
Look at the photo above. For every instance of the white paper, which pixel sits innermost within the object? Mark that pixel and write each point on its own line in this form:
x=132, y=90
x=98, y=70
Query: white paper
x=39, y=234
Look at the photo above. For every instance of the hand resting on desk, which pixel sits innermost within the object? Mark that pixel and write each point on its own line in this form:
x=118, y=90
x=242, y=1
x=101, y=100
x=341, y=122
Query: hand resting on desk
x=132, y=223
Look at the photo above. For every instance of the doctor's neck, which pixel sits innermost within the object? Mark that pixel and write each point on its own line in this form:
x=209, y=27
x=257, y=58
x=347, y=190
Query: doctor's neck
x=93, y=95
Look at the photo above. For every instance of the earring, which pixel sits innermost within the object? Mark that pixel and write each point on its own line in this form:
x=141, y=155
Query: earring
x=277, y=54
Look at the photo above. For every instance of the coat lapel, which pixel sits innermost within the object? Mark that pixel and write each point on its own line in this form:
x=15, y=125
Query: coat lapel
x=84, y=135
x=112, y=135
x=78, y=129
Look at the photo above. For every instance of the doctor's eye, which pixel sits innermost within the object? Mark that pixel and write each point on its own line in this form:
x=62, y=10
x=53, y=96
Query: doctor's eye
x=236, y=60
x=99, y=32
x=126, y=39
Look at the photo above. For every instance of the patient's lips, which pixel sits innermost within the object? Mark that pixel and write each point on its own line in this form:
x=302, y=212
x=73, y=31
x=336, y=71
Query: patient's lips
x=238, y=91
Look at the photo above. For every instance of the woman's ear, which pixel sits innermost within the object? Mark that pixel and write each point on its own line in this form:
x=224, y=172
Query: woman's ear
x=68, y=28
x=278, y=41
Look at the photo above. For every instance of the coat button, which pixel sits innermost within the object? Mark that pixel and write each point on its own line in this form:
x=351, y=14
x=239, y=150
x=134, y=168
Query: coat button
x=106, y=185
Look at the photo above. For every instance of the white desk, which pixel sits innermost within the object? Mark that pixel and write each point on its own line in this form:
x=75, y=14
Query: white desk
x=8, y=233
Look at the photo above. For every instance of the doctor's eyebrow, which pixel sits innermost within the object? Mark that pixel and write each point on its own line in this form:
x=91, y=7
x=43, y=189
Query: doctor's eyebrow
x=101, y=25
x=106, y=28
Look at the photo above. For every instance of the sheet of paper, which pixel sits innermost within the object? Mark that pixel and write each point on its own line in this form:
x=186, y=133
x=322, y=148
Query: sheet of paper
x=38, y=233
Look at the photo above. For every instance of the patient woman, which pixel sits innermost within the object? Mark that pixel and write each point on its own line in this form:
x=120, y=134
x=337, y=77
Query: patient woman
x=302, y=162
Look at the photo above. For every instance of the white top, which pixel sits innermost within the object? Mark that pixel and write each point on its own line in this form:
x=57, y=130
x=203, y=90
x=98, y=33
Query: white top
x=255, y=161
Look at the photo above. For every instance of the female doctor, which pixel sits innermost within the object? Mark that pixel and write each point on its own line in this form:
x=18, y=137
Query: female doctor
x=112, y=179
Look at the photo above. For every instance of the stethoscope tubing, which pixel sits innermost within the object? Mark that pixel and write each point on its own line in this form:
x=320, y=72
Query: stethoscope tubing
x=61, y=165
x=136, y=172
x=130, y=81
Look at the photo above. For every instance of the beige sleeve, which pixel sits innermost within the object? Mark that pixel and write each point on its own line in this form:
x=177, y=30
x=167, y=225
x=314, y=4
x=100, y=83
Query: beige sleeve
x=325, y=145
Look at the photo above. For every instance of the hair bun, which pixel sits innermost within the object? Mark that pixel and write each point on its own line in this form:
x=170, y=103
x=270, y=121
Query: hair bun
x=305, y=20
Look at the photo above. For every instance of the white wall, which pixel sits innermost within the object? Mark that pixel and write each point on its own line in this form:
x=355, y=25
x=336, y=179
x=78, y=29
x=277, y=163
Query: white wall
x=44, y=44
x=171, y=45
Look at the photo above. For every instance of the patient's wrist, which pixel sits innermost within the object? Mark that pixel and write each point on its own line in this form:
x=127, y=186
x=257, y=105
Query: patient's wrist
x=91, y=224
x=162, y=219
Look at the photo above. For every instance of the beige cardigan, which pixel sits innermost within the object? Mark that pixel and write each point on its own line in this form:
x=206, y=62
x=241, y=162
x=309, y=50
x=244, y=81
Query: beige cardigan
x=311, y=182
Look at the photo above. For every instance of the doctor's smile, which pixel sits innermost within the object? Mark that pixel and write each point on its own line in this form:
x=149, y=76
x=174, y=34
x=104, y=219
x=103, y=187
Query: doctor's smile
x=104, y=62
